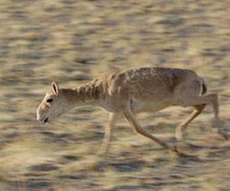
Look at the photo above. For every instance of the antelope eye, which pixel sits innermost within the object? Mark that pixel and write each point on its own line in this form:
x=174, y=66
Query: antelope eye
x=49, y=100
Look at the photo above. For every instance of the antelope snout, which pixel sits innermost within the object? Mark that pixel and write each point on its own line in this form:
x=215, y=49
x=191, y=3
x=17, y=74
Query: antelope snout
x=42, y=119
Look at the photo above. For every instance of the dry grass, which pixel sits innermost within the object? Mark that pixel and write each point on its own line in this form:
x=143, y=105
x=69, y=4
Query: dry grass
x=73, y=41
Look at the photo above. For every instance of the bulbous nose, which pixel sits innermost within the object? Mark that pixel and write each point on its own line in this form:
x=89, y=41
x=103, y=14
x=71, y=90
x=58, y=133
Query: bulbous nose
x=42, y=119
x=39, y=118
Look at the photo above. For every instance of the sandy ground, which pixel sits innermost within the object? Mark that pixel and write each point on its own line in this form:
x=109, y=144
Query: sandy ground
x=73, y=41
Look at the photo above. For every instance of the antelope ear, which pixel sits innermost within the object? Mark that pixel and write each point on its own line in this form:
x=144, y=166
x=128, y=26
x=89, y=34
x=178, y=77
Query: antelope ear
x=55, y=88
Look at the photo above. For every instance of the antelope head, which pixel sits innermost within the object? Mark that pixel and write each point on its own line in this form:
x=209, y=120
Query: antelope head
x=52, y=105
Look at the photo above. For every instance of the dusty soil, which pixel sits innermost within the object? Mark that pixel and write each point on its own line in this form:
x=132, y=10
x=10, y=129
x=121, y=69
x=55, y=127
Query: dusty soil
x=73, y=41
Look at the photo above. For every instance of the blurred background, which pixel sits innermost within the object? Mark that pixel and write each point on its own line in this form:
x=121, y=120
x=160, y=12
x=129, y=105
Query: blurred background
x=74, y=41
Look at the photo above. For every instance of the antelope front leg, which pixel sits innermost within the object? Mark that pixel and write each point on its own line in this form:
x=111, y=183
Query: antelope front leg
x=129, y=116
x=108, y=131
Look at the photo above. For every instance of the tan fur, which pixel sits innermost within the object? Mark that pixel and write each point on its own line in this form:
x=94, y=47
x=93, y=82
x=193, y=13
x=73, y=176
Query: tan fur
x=127, y=92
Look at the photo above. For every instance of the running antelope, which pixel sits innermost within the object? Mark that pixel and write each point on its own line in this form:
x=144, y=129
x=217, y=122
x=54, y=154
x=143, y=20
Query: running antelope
x=127, y=92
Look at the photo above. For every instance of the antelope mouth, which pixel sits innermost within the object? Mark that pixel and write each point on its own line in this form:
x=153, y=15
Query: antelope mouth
x=46, y=120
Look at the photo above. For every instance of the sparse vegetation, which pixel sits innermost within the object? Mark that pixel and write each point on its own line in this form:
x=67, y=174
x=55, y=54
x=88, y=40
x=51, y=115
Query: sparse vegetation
x=73, y=41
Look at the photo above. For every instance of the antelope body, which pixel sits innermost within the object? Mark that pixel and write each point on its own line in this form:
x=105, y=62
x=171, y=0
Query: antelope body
x=127, y=92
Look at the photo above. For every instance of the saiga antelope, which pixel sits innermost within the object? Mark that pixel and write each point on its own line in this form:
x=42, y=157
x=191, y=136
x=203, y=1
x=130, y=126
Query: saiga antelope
x=127, y=92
